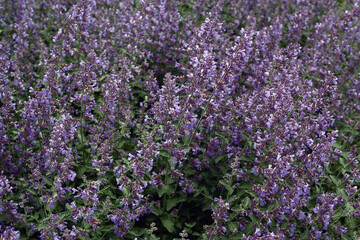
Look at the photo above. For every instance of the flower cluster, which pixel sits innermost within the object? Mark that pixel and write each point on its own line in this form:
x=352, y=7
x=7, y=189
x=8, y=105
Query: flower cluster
x=119, y=116
x=219, y=216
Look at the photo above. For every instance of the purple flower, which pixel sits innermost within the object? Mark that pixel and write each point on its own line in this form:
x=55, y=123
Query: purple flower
x=9, y=233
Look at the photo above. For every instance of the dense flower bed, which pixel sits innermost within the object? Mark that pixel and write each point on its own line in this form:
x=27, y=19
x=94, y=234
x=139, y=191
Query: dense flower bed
x=165, y=119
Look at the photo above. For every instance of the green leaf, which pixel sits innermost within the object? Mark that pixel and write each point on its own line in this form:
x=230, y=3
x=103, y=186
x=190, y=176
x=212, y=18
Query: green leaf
x=350, y=223
x=232, y=226
x=206, y=204
x=80, y=137
x=168, y=223
x=342, y=192
x=121, y=143
x=68, y=206
x=166, y=189
x=345, y=155
x=334, y=180
x=218, y=159
x=337, y=216
x=338, y=146
x=250, y=228
x=227, y=186
x=186, y=140
x=342, y=162
x=253, y=218
x=246, y=159
x=3, y=217
x=31, y=191
x=245, y=185
x=47, y=181
x=238, y=235
x=137, y=232
x=81, y=171
x=203, y=237
x=288, y=184
x=172, y=202
x=190, y=225
x=64, y=214
x=102, y=77
x=126, y=191
x=164, y=153
x=200, y=190
x=238, y=208
x=251, y=193
x=246, y=202
x=157, y=210
x=348, y=207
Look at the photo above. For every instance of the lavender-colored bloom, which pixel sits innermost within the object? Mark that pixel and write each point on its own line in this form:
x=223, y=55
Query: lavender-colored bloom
x=5, y=186
x=165, y=92
x=219, y=216
x=9, y=233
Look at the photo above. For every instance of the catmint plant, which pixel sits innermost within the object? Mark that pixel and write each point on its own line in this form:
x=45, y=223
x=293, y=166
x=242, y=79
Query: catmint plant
x=170, y=119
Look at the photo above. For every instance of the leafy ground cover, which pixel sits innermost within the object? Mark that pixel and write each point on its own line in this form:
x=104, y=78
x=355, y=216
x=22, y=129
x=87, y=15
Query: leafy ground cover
x=165, y=119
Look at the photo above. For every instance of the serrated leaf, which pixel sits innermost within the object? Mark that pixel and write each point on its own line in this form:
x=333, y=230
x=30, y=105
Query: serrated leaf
x=246, y=202
x=227, y=186
x=81, y=171
x=251, y=193
x=342, y=162
x=190, y=225
x=203, y=237
x=238, y=208
x=288, y=184
x=337, y=145
x=342, y=192
x=246, y=159
x=36, y=216
x=250, y=228
x=238, y=235
x=232, y=226
x=3, y=217
x=102, y=77
x=165, y=189
x=186, y=140
x=350, y=223
x=337, y=216
x=273, y=205
x=67, y=206
x=199, y=191
x=348, y=207
x=253, y=218
x=126, y=191
x=157, y=210
x=64, y=215
x=164, y=153
x=47, y=181
x=334, y=180
x=345, y=155
x=121, y=143
x=172, y=202
x=137, y=232
x=168, y=223
x=218, y=159
x=31, y=191
x=245, y=185
x=206, y=204
x=80, y=137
